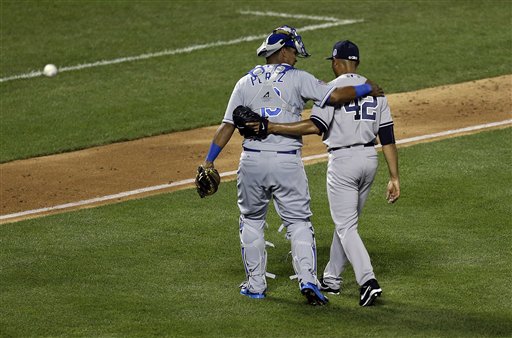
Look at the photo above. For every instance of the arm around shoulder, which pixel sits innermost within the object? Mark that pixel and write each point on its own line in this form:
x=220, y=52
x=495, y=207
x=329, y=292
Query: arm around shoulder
x=343, y=95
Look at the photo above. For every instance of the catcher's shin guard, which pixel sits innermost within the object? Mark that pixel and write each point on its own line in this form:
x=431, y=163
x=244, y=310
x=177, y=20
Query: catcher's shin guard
x=254, y=254
x=302, y=238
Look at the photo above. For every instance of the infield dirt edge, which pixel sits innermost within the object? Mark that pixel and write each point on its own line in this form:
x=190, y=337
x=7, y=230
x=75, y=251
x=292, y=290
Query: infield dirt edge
x=59, y=179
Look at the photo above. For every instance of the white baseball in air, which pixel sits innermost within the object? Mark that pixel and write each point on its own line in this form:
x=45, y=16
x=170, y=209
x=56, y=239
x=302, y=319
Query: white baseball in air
x=50, y=70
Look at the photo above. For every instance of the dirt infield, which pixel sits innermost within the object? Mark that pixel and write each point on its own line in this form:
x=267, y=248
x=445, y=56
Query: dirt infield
x=53, y=180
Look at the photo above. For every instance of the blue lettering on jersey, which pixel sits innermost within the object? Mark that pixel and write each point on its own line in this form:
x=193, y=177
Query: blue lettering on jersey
x=366, y=113
x=362, y=110
x=280, y=78
x=267, y=112
x=271, y=111
x=254, y=78
x=255, y=73
x=353, y=107
x=259, y=70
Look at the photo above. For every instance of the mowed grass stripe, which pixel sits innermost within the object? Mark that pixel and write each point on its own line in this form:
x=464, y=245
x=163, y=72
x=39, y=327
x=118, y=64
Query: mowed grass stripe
x=171, y=267
x=193, y=48
x=148, y=97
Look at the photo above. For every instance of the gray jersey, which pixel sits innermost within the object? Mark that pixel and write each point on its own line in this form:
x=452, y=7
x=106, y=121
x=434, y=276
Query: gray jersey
x=350, y=132
x=354, y=123
x=278, y=92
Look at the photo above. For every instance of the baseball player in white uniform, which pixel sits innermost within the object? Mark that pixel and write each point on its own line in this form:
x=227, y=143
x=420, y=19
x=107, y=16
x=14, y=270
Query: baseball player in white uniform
x=272, y=168
x=349, y=132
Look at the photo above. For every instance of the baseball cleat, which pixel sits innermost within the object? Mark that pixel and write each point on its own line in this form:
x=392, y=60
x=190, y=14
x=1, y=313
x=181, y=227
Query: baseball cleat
x=326, y=288
x=369, y=292
x=313, y=294
x=244, y=290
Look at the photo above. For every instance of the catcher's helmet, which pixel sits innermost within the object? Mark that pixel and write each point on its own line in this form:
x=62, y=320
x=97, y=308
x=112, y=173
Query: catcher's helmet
x=280, y=37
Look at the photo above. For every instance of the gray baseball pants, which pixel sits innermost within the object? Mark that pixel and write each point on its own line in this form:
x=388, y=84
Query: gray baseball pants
x=267, y=175
x=350, y=174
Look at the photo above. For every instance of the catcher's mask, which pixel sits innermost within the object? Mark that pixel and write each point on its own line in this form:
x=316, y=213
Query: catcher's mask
x=280, y=37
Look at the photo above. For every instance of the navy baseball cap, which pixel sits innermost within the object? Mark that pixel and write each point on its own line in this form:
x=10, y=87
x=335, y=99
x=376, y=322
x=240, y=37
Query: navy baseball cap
x=345, y=50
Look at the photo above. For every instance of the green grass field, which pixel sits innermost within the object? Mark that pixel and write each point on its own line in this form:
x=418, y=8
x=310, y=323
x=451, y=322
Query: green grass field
x=170, y=265
x=405, y=45
x=166, y=266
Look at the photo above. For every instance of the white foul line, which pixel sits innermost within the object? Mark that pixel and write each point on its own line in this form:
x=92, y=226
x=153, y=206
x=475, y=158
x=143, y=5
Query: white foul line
x=429, y=136
x=168, y=52
x=294, y=16
x=231, y=173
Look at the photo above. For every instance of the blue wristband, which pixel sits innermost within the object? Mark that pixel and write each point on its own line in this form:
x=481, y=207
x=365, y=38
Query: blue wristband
x=363, y=90
x=213, y=152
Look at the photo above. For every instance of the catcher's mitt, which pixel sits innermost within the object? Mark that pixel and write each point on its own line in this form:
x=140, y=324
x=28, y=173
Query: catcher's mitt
x=207, y=181
x=242, y=115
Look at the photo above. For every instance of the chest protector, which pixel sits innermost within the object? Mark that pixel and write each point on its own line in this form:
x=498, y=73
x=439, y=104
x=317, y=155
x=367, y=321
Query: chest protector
x=268, y=100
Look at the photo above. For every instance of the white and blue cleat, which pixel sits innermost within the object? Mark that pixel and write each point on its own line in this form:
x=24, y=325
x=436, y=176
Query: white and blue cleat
x=313, y=294
x=250, y=294
x=244, y=290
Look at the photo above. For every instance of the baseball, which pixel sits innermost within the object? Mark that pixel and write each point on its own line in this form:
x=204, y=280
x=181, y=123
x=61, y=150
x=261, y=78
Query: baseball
x=50, y=70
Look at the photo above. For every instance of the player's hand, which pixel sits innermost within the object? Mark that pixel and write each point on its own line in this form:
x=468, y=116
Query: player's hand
x=270, y=127
x=255, y=126
x=376, y=90
x=393, y=190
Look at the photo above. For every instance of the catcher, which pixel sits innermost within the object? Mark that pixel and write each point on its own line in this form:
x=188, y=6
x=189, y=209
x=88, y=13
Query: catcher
x=271, y=167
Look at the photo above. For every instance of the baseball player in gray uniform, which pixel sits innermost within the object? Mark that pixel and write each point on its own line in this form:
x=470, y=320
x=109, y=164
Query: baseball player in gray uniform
x=272, y=168
x=349, y=132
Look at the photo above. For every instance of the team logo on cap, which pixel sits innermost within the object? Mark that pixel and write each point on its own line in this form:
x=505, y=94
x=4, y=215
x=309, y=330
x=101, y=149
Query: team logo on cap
x=334, y=53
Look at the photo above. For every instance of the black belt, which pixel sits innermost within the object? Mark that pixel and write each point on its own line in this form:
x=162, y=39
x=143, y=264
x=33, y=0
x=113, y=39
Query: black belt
x=292, y=152
x=370, y=144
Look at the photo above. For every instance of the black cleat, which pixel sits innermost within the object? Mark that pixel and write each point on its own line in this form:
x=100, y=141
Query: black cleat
x=325, y=288
x=369, y=292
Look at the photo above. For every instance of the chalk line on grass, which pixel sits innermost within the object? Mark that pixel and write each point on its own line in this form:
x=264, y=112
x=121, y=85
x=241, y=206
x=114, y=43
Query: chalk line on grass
x=230, y=173
x=332, y=22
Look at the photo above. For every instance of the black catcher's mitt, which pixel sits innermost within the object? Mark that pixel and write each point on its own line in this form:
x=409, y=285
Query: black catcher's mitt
x=242, y=115
x=207, y=181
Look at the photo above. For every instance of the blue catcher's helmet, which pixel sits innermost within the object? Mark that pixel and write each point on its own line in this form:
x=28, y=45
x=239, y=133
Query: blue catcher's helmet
x=280, y=37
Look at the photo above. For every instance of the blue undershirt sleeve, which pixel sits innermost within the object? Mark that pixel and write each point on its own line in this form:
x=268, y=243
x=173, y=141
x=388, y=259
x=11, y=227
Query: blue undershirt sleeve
x=213, y=152
x=387, y=135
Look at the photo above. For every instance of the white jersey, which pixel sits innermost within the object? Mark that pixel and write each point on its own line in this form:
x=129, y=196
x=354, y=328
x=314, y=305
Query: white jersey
x=279, y=93
x=354, y=123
